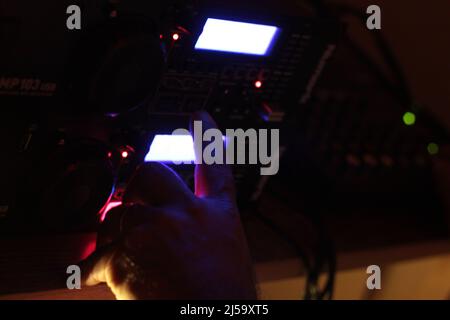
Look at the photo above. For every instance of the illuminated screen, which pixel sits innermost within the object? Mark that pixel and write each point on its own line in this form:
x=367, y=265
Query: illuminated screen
x=169, y=148
x=236, y=37
x=173, y=148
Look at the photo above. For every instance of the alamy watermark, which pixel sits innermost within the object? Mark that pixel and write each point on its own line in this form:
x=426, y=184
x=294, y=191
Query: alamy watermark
x=238, y=146
x=374, y=20
x=74, y=279
x=73, y=21
x=374, y=280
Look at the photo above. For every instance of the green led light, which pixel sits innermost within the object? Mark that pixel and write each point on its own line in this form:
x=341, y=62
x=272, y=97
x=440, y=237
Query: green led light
x=409, y=118
x=433, y=148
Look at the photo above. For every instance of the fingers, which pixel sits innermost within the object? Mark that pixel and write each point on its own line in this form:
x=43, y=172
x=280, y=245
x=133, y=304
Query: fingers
x=215, y=180
x=157, y=185
x=95, y=267
x=120, y=220
x=111, y=237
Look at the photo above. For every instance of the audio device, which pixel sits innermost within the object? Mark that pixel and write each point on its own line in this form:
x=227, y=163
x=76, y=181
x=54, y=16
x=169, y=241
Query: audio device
x=81, y=109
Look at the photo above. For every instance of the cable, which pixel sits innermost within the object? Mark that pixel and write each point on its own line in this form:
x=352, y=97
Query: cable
x=385, y=50
x=286, y=238
x=312, y=270
x=400, y=89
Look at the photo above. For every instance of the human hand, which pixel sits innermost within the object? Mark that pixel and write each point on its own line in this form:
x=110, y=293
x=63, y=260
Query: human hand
x=165, y=242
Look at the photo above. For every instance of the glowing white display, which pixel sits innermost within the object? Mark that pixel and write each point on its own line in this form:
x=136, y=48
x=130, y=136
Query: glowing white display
x=169, y=148
x=236, y=37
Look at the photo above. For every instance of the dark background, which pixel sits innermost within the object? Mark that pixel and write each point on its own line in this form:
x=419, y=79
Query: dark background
x=417, y=32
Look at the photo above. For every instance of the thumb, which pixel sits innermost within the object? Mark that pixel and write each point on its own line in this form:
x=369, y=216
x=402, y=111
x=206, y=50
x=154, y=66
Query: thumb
x=94, y=268
x=215, y=180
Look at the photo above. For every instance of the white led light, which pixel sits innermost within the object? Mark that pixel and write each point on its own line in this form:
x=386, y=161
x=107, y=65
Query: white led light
x=236, y=37
x=171, y=148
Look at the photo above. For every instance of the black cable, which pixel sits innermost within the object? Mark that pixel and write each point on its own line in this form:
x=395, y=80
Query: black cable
x=314, y=270
x=385, y=50
x=400, y=89
x=287, y=239
x=381, y=77
x=328, y=247
x=325, y=259
x=326, y=255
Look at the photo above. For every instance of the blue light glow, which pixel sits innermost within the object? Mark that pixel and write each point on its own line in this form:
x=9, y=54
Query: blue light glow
x=236, y=37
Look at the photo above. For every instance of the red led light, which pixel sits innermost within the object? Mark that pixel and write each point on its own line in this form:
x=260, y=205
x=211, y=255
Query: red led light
x=161, y=36
x=176, y=37
x=109, y=154
x=258, y=84
x=124, y=154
